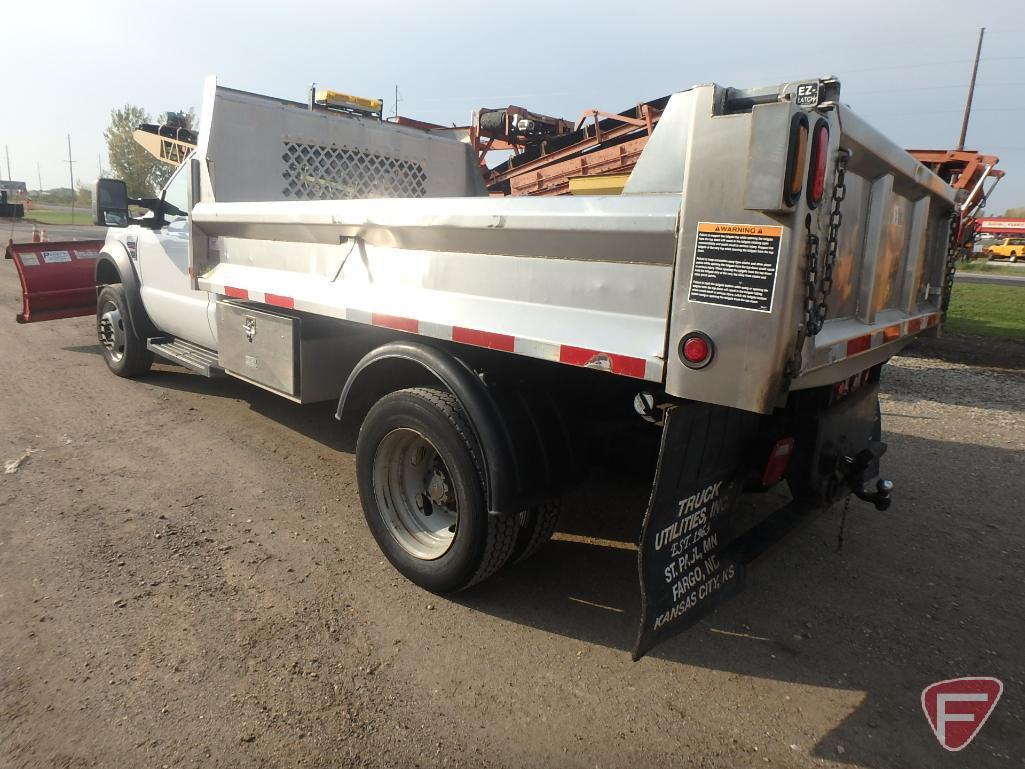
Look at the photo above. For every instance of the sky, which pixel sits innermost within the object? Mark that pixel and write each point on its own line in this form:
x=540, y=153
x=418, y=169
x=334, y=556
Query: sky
x=904, y=65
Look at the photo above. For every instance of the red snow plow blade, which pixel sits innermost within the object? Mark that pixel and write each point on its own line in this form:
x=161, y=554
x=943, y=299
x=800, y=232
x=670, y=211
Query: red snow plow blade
x=57, y=279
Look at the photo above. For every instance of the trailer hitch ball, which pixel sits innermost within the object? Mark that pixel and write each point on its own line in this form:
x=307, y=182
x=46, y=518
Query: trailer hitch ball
x=880, y=497
x=853, y=470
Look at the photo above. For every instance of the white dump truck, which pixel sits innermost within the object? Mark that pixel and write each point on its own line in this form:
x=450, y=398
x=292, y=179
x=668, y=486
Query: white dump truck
x=726, y=315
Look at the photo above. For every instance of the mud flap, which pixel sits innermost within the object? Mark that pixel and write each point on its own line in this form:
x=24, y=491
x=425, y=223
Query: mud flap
x=685, y=566
x=57, y=278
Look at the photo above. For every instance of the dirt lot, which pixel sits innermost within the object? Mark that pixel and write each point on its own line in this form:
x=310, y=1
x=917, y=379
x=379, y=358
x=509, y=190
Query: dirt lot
x=186, y=581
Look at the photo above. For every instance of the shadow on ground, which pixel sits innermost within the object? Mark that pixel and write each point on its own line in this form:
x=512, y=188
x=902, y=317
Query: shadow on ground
x=972, y=350
x=917, y=595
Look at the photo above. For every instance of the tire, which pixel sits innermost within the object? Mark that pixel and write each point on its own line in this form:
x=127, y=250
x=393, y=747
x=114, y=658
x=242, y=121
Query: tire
x=433, y=523
x=535, y=527
x=125, y=353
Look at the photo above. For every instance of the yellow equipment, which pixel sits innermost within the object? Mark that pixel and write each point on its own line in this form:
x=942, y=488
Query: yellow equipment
x=605, y=184
x=324, y=97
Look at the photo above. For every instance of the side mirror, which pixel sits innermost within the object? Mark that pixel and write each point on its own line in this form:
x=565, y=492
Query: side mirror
x=110, y=203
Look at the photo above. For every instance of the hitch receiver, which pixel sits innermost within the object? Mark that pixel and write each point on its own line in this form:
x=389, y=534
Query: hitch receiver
x=853, y=471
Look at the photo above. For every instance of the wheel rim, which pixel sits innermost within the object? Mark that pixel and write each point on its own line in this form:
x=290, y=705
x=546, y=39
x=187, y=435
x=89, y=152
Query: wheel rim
x=111, y=331
x=414, y=492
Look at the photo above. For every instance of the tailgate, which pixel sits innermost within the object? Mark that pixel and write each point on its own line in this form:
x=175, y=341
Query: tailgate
x=749, y=236
x=891, y=257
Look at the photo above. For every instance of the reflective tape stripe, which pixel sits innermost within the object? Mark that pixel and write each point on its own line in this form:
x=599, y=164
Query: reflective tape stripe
x=863, y=342
x=396, y=322
x=859, y=344
x=603, y=361
x=280, y=301
x=487, y=339
x=625, y=365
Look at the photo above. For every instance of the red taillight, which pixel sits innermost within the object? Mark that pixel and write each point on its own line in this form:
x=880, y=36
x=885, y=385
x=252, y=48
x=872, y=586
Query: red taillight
x=819, y=157
x=696, y=350
x=779, y=461
x=796, y=158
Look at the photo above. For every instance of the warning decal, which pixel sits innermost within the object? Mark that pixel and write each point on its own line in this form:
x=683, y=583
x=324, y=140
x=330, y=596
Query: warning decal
x=735, y=265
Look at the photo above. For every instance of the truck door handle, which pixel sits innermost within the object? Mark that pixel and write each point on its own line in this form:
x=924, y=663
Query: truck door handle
x=249, y=327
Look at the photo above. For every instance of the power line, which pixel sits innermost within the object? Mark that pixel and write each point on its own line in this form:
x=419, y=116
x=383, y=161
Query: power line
x=951, y=111
x=913, y=88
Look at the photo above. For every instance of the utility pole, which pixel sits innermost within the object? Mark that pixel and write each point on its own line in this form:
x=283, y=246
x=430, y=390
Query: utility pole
x=971, y=91
x=7, y=150
x=395, y=113
x=71, y=172
x=39, y=178
x=99, y=162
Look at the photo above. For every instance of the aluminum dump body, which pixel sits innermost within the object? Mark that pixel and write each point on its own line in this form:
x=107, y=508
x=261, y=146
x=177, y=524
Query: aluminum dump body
x=390, y=226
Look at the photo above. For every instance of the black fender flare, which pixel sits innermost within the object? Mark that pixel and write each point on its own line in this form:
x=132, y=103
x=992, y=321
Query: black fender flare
x=117, y=258
x=528, y=454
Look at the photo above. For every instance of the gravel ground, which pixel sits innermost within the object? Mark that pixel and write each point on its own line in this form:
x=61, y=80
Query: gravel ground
x=186, y=581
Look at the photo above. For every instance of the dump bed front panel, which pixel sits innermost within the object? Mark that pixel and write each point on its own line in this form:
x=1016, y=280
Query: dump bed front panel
x=261, y=149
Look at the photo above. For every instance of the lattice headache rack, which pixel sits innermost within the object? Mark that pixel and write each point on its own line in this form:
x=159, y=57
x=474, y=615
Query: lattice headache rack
x=319, y=172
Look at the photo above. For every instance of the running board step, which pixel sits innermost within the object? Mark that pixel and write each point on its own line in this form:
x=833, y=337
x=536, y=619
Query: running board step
x=192, y=356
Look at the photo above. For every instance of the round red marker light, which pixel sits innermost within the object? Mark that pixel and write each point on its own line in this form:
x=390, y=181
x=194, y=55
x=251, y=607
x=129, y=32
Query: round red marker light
x=696, y=350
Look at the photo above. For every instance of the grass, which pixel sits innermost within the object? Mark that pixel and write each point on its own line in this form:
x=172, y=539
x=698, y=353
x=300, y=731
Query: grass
x=82, y=216
x=994, y=268
x=977, y=308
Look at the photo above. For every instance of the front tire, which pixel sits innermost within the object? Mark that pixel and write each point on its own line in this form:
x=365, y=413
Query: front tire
x=421, y=483
x=125, y=353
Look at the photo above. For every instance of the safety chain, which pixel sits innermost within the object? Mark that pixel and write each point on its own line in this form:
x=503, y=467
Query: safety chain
x=952, y=254
x=818, y=308
x=818, y=288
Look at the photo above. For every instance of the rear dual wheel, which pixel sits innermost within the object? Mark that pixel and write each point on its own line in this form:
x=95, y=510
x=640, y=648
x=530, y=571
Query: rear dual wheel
x=421, y=481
